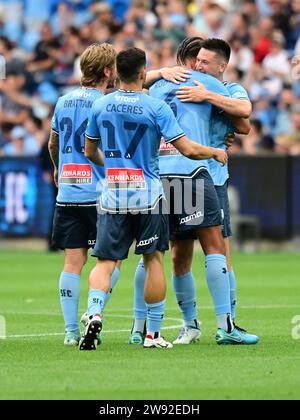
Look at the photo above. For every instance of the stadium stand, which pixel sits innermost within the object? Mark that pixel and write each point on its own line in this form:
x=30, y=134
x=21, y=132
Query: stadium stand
x=41, y=46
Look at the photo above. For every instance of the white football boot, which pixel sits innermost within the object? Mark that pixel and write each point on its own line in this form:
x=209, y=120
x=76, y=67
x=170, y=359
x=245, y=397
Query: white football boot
x=188, y=335
x=158, y=343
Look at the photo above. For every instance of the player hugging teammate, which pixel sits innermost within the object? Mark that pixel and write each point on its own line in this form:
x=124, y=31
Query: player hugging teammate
x=115, y=141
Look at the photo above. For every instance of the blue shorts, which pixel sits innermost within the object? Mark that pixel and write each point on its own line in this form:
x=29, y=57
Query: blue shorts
x=74, y=226
x=225, y=209
x=116, y=233
x=200, y=191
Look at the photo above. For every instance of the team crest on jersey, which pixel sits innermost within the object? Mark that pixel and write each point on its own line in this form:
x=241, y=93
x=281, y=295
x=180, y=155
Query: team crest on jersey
x=126, y=179
x=76, y=174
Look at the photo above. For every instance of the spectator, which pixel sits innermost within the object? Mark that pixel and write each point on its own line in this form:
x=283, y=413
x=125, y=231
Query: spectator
x=283, y=124
x=257, y=141
x=290, y=143
x=5, y=136
x=241, y=56
x=276, y=63
x=264, y=34
x=15, y=104
x=21, y=144
x=13, y=63
x=212, y=22
x=43, y=59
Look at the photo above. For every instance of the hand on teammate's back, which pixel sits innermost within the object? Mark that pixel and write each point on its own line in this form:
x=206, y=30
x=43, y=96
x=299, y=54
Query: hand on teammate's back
x=229, y=140
x=175, y=74
x=221, y=156
x=192, y=94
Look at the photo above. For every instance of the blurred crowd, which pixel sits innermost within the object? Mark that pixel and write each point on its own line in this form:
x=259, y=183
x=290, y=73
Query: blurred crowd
x=41, y=42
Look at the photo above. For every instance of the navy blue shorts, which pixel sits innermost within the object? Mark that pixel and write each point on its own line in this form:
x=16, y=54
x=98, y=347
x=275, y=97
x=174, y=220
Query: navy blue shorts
x=74, y=226
x=205, y=212
x=116, y=233
x=225, y=209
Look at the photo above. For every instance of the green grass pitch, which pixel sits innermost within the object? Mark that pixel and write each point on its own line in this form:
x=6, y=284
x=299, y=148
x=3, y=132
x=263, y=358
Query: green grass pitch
x=34, y=364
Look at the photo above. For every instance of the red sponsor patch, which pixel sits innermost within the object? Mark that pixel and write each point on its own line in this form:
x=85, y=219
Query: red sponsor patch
x=166, y=146
x=167, y=149
x=76, y=174
x=125, y=178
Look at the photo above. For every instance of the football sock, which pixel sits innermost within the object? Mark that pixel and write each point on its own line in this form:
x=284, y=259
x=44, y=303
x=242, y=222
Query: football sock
x=113, y=281
x=155, y=316
x=96, y=301
x=69, y=287
x=218, y=283
x=232, y=294
x=140, y=308
x=225, y=322
x=185, y=291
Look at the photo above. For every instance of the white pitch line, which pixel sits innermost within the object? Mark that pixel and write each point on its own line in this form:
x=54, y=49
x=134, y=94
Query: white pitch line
x=252, y=307
x=171, y=327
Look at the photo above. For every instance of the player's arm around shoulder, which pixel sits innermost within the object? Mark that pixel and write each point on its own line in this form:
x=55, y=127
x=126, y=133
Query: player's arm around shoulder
x=240, y=108
x=175, y=75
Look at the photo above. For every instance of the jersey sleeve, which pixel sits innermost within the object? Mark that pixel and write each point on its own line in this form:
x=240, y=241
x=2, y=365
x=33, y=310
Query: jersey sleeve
x=168, y=124
x=92, y=130
x=238, y=92
x=54, y=122
x=216, y=86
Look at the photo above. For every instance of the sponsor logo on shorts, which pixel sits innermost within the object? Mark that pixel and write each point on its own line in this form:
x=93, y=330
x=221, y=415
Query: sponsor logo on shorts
x=76, y=174
x=92, y=243
x=126, y=178
x=189, y=219
x=148, y=241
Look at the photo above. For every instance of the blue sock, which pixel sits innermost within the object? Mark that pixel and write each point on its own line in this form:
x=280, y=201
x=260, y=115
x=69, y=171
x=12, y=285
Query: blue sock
x=140, y=308
x=232, y=294
x=218, y=283
x=113, y=281
x=69, y=287
x=96, y=301
x=155, y=313
x=185, y=291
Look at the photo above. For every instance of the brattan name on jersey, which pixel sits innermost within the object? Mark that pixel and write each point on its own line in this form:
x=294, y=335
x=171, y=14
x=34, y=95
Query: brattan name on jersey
x=130, y=126
x=78, y=178
x=221, y=126
x=194, y=119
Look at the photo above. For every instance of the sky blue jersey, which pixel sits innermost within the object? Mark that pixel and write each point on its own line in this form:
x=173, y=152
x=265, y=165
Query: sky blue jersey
x=221, y=126
x=130, y=126
x=193, y=118
x=78, y=177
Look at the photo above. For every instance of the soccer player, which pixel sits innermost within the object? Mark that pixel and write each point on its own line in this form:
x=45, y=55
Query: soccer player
x=213, y=59
x=74, y=226
x=129, y=125
x=207, y=230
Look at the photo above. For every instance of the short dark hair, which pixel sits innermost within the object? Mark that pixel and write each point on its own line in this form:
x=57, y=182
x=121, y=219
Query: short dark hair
x=129, y=64
x=219, y=46
x=189, y=49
